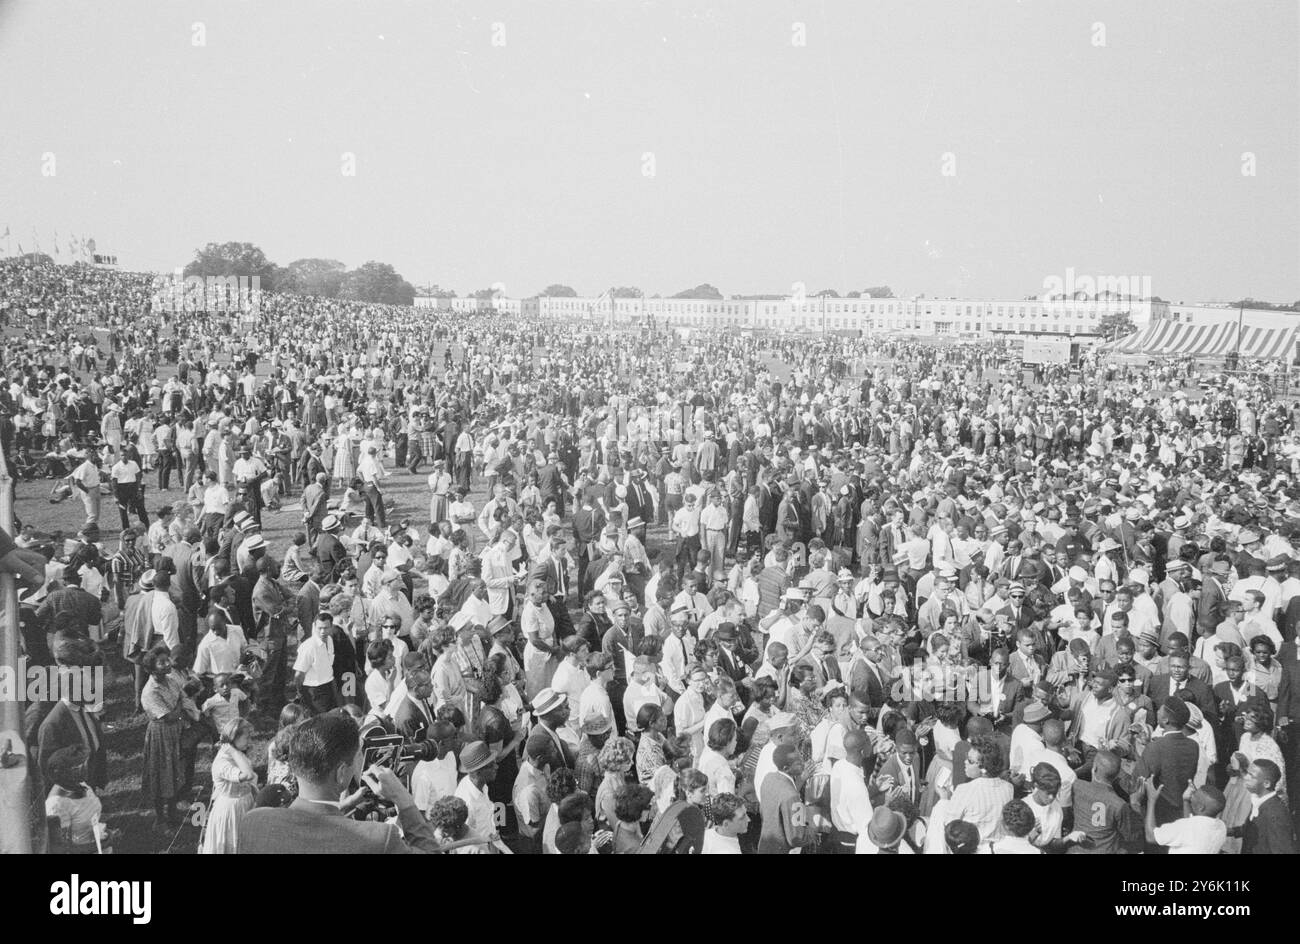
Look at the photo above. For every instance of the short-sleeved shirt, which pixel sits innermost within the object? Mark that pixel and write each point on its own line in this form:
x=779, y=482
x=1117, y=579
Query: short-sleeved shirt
x=316, y=661
x=125, y=472
x=1193, y=835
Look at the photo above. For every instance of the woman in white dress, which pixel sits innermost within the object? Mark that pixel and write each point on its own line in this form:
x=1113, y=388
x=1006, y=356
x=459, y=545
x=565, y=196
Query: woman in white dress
x=233, y=783
x=541, y=654
x=148, y=448
x=344, y=466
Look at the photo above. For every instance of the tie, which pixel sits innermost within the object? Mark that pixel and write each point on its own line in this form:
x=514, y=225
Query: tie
x=559, y=578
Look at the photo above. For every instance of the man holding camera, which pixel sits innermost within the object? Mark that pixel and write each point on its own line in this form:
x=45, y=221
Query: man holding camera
x=325, y=757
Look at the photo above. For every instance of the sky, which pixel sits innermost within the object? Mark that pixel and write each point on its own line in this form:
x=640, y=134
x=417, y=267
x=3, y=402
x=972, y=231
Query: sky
x=945, y=148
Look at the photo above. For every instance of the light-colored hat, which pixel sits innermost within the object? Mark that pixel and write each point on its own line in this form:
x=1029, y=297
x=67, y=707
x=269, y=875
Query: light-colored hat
x=781, y=721
x=547, y=700
x=254, y=542
x=1037, y=712
x=886, y=828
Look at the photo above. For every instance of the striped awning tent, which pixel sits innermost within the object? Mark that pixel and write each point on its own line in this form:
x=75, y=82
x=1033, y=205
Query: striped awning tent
x=1176, y=339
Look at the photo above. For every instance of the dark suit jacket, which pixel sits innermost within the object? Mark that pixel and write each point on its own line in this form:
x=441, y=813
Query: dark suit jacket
x=312, y=829
x=1171, y=759
x=785, y=822
x=730, y=665
x=1229, y=731
x=1288, y=691
x=60, y=729
x=894, y=768
x=1271, y=832
x=1211, y=608
x=545, y=571
x=1199, y=692
x=186, y=589
x=308, y=605
x=867, y=686
x=410, y=721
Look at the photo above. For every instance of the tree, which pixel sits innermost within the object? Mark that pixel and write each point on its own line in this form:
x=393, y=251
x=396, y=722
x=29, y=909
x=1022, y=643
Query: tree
x=1265, y=306
x=628, y=292
x=703, y=290
x=485, y=294
x=559, y=291
x=827, y=293
x=233, y=259
x=878, y=291
x=311, y=277
x=854, y=295
x=433, y=290
x=1115, y=325
x=377, y=282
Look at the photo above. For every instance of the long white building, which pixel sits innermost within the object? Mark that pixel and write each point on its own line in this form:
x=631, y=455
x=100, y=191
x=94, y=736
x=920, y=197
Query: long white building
x=927, y=317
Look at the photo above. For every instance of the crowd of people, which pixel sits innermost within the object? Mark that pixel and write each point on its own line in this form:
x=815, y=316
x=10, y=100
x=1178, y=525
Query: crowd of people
x=663, y=595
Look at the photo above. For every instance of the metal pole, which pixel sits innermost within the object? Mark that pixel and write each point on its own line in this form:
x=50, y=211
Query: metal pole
x=15, y=826
x=1241, y=310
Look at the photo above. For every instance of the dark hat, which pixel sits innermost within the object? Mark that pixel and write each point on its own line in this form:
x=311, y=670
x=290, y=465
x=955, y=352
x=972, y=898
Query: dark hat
x=1177, y=710
x=476, y=756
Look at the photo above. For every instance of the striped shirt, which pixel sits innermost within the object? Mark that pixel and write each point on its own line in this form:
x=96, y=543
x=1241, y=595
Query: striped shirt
x=126, y=566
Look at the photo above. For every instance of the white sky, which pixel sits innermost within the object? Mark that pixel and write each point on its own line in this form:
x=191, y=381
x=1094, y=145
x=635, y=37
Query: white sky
x=774, y=163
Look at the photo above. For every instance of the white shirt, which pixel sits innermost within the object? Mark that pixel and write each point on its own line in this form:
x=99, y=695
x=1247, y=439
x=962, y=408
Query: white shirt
x=87, y=474
x=1193, y=835
x=850, y=803
x=674, y=663
x=431, y=780
x=124, y=472
x=1025, y=741
x=714, y=766
x=165, y=621
x=482, y=811
x=378, y=690
x=1050, y=818
x=1041, y=755
x=717, y=844
x=217, y=656
x=1096, y=717
x=316, y=661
